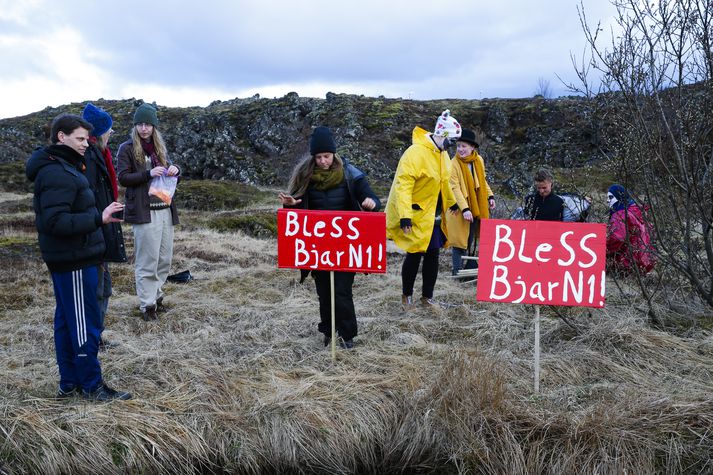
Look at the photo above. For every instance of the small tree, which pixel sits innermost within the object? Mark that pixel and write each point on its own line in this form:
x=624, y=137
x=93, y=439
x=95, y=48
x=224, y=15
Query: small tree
x=656, y=91
x=543, y=88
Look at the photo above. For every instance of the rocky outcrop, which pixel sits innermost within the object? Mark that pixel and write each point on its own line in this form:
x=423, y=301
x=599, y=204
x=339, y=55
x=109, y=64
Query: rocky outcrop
x=258, y=140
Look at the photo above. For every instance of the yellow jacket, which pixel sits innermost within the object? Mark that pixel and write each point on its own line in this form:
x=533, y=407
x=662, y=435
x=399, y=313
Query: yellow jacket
x=423, y=172
x=457, y=227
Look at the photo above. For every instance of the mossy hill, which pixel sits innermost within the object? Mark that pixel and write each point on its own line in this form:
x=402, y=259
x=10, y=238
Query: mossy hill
x=256, y=141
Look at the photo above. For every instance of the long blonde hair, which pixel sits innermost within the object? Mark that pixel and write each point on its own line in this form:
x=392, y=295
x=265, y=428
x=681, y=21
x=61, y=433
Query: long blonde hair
x=158, y=144
x=301, y=175
x=101, y=142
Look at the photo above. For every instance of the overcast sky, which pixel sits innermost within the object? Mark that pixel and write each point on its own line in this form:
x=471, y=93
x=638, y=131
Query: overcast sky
x=181, y=53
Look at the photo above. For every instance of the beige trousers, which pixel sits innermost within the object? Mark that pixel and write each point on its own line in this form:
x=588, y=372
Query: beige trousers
x=153, y=250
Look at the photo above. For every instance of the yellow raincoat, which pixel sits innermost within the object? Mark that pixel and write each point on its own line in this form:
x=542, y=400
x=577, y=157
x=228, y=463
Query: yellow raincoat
x=476, y=199
x=422, y=173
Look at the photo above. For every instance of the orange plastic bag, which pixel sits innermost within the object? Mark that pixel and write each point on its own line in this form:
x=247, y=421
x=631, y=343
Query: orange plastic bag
x=163, y=187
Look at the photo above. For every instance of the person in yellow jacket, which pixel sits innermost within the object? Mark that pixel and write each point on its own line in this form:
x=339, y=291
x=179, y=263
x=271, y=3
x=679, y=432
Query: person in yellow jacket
x=474, y=197
x=419, y=192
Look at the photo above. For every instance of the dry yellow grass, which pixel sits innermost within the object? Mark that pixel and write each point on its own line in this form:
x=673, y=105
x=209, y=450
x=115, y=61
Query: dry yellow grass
x=234, y=378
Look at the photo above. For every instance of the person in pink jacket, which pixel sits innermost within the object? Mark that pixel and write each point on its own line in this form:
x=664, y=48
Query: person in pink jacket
x=628, y=234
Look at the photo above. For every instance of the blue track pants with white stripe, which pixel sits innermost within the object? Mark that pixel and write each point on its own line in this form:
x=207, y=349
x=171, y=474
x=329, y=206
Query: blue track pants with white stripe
x=77, y=326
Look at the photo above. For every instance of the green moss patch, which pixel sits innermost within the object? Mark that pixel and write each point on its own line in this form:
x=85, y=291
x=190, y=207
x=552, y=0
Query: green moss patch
x=259, y=225
x=218, y=195
x=13, y=179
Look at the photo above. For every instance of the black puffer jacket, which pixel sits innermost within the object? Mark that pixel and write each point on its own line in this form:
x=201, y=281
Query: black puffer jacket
x=67, y=220
x=100, y=183
x=347, y=196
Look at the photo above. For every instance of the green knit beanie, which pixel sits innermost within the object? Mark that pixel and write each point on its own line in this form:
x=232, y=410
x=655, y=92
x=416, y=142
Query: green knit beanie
x=146, y=114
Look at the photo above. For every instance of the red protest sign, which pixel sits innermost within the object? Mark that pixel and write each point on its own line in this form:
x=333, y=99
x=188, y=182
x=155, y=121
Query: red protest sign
x=542, y=262
x=353, y=241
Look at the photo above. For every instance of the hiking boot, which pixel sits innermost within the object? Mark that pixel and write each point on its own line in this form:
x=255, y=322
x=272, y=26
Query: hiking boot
x=149, y=313
x=430, y=304
x=160, y=307
x=104, y=394
x=407, y=304
x=70, y=393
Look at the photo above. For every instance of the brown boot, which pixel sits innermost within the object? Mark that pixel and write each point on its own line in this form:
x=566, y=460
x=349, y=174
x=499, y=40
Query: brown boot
x=407, y=304
x=430, y=304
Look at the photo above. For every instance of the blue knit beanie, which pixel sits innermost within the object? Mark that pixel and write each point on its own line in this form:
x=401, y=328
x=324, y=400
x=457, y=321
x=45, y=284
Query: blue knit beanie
x=99, y=118
x=322, y=141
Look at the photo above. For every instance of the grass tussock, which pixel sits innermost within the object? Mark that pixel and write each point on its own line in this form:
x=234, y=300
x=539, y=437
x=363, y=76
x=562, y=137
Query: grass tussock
x=234, y=377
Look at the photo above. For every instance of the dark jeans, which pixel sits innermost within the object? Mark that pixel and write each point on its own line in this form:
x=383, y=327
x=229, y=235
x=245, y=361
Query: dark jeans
x=458, y=252
x=344, y=315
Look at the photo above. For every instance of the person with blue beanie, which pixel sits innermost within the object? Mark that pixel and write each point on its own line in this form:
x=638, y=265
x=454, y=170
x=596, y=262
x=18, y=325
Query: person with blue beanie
x=102, y=180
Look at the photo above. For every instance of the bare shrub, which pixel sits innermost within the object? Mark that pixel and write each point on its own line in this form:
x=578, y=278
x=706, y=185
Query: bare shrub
x=656, y=101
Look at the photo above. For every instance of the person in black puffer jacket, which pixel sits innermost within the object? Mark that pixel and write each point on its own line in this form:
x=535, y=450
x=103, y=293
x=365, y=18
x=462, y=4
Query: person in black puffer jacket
x=72, y=245
x=102, y=180
x=325, y=181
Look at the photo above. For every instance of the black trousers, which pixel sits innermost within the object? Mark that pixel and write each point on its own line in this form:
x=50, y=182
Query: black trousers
x=344, y=315
x=409, y=270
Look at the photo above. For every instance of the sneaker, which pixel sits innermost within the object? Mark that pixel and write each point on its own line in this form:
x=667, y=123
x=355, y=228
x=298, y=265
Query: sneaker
x=407, y=304
x=104, y=393
x=149, y=313
x=346, y=344
x=62, y=394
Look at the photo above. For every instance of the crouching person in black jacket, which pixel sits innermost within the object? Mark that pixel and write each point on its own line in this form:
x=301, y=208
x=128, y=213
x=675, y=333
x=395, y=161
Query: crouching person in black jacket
x=72, y=245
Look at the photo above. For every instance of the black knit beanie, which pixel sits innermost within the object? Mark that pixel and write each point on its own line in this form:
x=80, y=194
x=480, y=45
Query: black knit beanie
x=322, y=141
x=146, y=114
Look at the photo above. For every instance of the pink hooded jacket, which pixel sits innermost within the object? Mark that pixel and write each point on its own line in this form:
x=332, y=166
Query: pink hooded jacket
x=629, y=238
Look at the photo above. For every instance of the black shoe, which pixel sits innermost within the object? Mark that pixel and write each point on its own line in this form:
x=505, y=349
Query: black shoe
x=62, y=394
x=160, y=307
x=104, y=393
x=105, y=345
x=149, y=313
x=327, y=340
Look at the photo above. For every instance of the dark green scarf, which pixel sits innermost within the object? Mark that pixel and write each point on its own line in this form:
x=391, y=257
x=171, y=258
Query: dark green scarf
x=326, y=179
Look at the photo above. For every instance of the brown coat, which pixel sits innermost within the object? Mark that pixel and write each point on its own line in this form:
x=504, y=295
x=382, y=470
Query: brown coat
x=136, y=178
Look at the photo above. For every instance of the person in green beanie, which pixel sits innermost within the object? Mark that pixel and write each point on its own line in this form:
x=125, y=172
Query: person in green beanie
x=141, y=159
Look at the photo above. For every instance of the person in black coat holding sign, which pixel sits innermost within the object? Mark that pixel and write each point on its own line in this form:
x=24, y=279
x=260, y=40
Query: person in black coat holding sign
x=324, y=181
x=102, y=180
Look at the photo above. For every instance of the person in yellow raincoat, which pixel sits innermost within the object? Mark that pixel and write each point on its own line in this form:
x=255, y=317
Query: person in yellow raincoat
x=419, y=192
x=474, y=197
